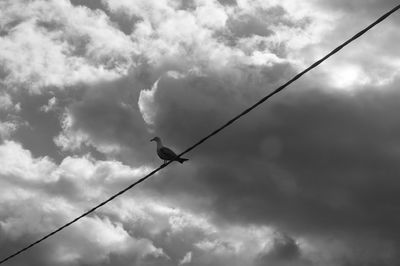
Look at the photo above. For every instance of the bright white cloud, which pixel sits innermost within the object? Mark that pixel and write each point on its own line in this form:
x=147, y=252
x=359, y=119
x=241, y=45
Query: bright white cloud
x=35, y=200
x=50, y=105
x=186, y=259
x=35, y=209
x=348, y=76
x=146, y=103
x=102, y=239
x=56, y=44
x=199, y=45
x=18, y=163
x=211, y=14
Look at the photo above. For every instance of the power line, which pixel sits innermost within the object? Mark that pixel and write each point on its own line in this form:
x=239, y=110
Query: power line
x=334, y=51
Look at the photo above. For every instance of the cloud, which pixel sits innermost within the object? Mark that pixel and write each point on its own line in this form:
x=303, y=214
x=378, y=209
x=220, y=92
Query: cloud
x=50, y=105
x=36, y=199
x=186, y=259
x=371, y=61
x=283, y=251
x=307, y=179
x=9, y=121
x=55, y=44
x=203, y=43
x=146, y=103
x=107, y=118
x=320, y=162
x=136, y=227
x=5, y=101
x=154, y=38
x=6, y=129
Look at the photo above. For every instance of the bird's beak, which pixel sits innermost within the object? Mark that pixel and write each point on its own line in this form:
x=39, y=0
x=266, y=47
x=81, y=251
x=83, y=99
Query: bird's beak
x=153, y=139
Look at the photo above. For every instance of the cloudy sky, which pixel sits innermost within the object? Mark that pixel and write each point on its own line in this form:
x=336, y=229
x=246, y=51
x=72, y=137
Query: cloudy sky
x=310, y=178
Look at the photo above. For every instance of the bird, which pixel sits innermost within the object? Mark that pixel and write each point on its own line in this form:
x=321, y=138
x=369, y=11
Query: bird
x=166, y=153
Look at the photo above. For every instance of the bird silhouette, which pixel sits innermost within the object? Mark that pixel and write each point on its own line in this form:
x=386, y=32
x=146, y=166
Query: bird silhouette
x=166, y=153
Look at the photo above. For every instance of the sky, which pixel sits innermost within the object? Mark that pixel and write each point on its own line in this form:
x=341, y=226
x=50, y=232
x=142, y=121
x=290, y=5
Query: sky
x=309, y=178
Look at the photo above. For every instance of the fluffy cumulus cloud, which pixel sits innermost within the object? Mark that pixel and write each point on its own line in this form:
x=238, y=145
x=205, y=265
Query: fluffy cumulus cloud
x=39, y=195
x=310, y=178
x=8, y=120
x=52, y=43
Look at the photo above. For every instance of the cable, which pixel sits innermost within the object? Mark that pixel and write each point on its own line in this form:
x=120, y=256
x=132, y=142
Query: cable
x=334, y=51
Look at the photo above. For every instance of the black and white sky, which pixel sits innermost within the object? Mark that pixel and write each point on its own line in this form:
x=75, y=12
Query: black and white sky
x=311, y=178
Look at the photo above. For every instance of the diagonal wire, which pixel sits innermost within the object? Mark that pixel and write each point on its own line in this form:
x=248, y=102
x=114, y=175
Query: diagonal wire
x=262, y=100
x=315, y=64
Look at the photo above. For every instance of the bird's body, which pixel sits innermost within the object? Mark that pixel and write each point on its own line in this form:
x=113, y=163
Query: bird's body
x=166, y=153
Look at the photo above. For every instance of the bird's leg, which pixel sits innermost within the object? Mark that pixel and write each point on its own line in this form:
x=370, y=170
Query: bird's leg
x=165, y=161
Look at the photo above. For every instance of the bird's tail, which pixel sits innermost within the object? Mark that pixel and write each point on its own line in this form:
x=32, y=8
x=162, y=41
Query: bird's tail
x=181, y=160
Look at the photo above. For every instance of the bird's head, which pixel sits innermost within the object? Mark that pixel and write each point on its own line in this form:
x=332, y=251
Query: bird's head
x=155, y=139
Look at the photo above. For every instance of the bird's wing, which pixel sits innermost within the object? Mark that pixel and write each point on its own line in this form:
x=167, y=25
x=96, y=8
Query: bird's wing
x=167, y=153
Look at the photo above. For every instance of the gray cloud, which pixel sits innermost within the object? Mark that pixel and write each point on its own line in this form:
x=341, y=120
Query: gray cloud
x=283, y=252
x=246, y=26
x=333, y=164
x=122, y=20
x=108, y=118
x=228, y=2
x=90, y=4
x=315, y=162
x=372, y=7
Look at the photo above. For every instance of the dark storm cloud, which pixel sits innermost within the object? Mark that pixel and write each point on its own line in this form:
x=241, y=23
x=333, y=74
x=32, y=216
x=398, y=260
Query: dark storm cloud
x=321, y=166
x=283, y=252
x=309, y=163
x=36, y=257
x=109, y=114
